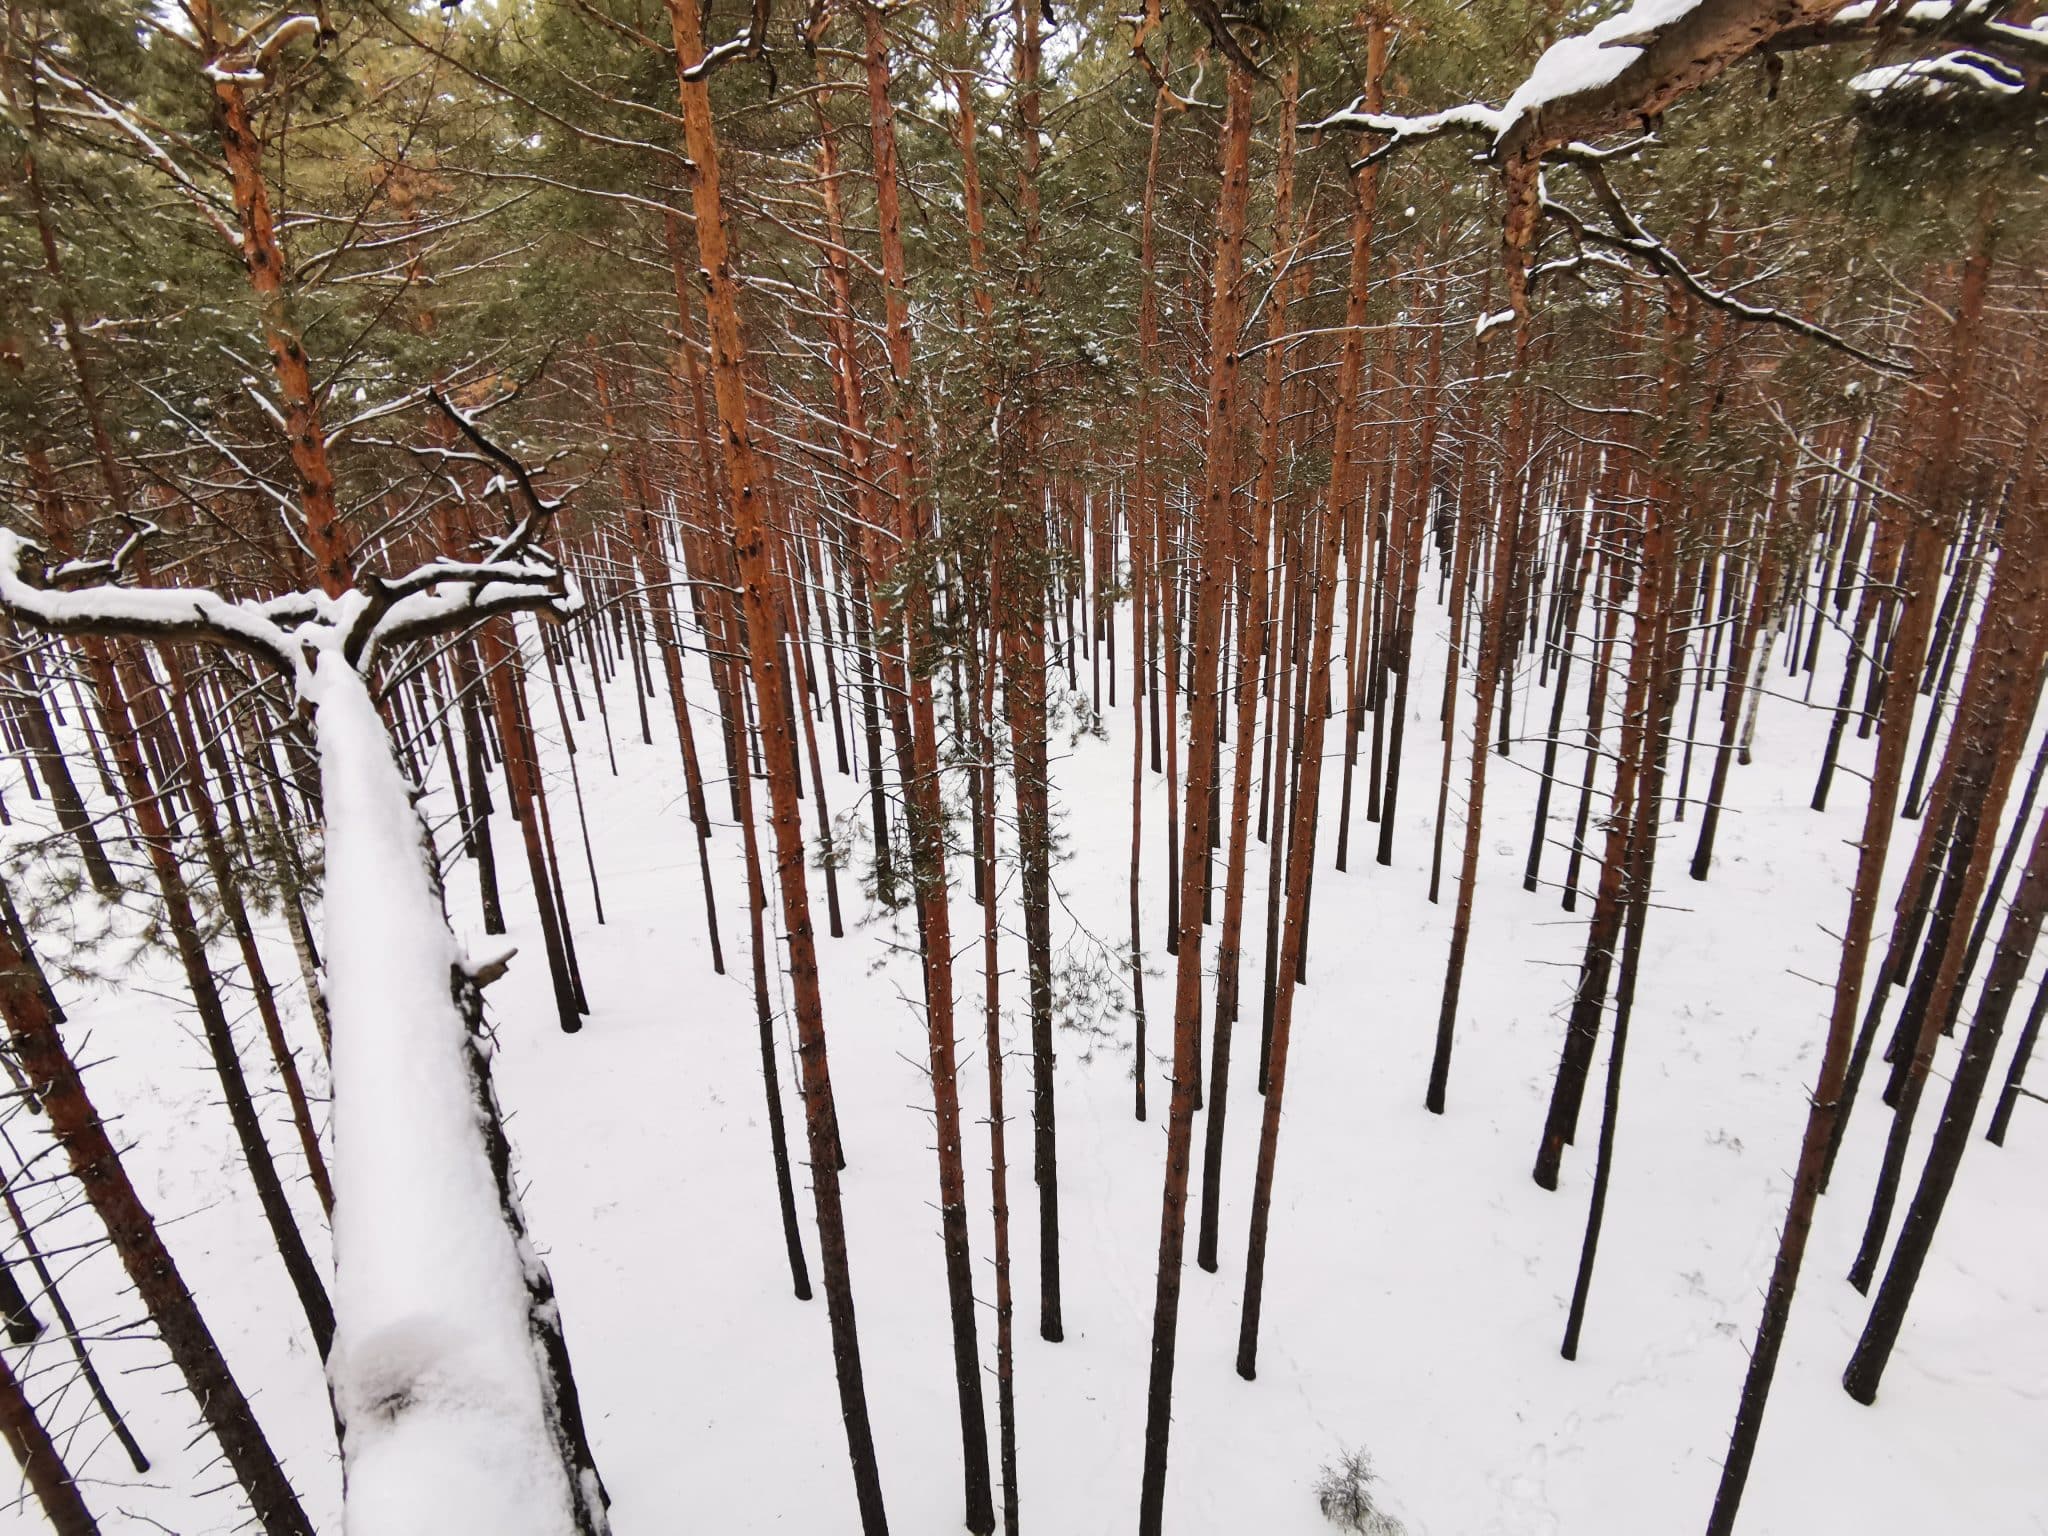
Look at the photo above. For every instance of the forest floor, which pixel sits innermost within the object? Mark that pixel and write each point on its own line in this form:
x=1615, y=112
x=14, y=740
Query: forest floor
x=1417, y=1279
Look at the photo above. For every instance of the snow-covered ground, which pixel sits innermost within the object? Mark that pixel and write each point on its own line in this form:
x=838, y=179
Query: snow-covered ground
x=1417, y=1280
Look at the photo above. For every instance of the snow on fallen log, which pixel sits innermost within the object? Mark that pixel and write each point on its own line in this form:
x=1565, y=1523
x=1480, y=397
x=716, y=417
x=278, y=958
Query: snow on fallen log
x=441, y=1371
x=449, y=1373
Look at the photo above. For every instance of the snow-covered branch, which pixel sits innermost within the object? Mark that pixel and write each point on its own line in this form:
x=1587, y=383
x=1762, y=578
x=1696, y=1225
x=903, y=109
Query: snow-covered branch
x=1623, y=73
x=1585, y=85
x=2021, y=51
x=1626, y=71
x=449, y=1370
x=714, y=58
x=262, y=630
x=74, y=573
x=1961, y=72
x=105, y=109
x=1399, y=129
x=247, y=62
x=450, y=594
x=287, y=633
x=282, y=36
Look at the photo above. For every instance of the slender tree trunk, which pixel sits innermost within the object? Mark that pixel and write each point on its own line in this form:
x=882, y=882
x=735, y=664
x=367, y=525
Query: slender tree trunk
x=764, y=1020
x=654, y=577
x=1737, y=688
x=77, y=1126
x=1413, y=496
x=1605, y=930
x=48, y=1283
x=1952, y=1135
x=1024, y=585
x=743, y=476
x=1254, y=633
x=523, y=788
x=1314, y=717
x=55, y=769
x=2023, y=1052
x=1203, y=712
x=1144, y=648
x=42, y=1465
x=1499, y=625
x=119, y=700
x=305, y=435
x=1996, y=706
x=1568, y=592
x=227, y=889
x=1919, y=568
x=992, y=1048
x=1469, y=533
x=1657, y=699
x=927, y=806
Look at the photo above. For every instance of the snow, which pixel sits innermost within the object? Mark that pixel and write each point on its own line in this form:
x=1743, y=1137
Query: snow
x=1595, y=58
x=1417, y=1279
x=446, y=589
x=1923, y=12
x=714, y=57
x=140, y=607
x=293, y=631
x=1963, y=69
x=1568, y=67
x=1476, y=116
x=433, y=1369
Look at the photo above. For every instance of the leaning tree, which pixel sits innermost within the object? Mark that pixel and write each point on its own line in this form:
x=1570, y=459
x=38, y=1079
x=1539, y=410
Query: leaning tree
x=449, y=1373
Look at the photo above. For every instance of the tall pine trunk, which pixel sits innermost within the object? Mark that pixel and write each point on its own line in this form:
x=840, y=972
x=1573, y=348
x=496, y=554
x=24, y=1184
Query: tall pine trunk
x=744, y=479
x=1203, y=717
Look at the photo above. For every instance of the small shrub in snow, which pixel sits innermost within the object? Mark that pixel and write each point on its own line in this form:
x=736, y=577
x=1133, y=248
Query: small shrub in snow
x=1345, y=1495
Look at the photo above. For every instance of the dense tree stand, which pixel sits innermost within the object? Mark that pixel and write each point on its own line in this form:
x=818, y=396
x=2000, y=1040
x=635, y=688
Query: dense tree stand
x=1028, y=476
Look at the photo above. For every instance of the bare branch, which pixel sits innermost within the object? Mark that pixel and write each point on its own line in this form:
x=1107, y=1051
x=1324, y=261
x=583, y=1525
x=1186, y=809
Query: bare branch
x=539, y=509
x=1631, y=236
